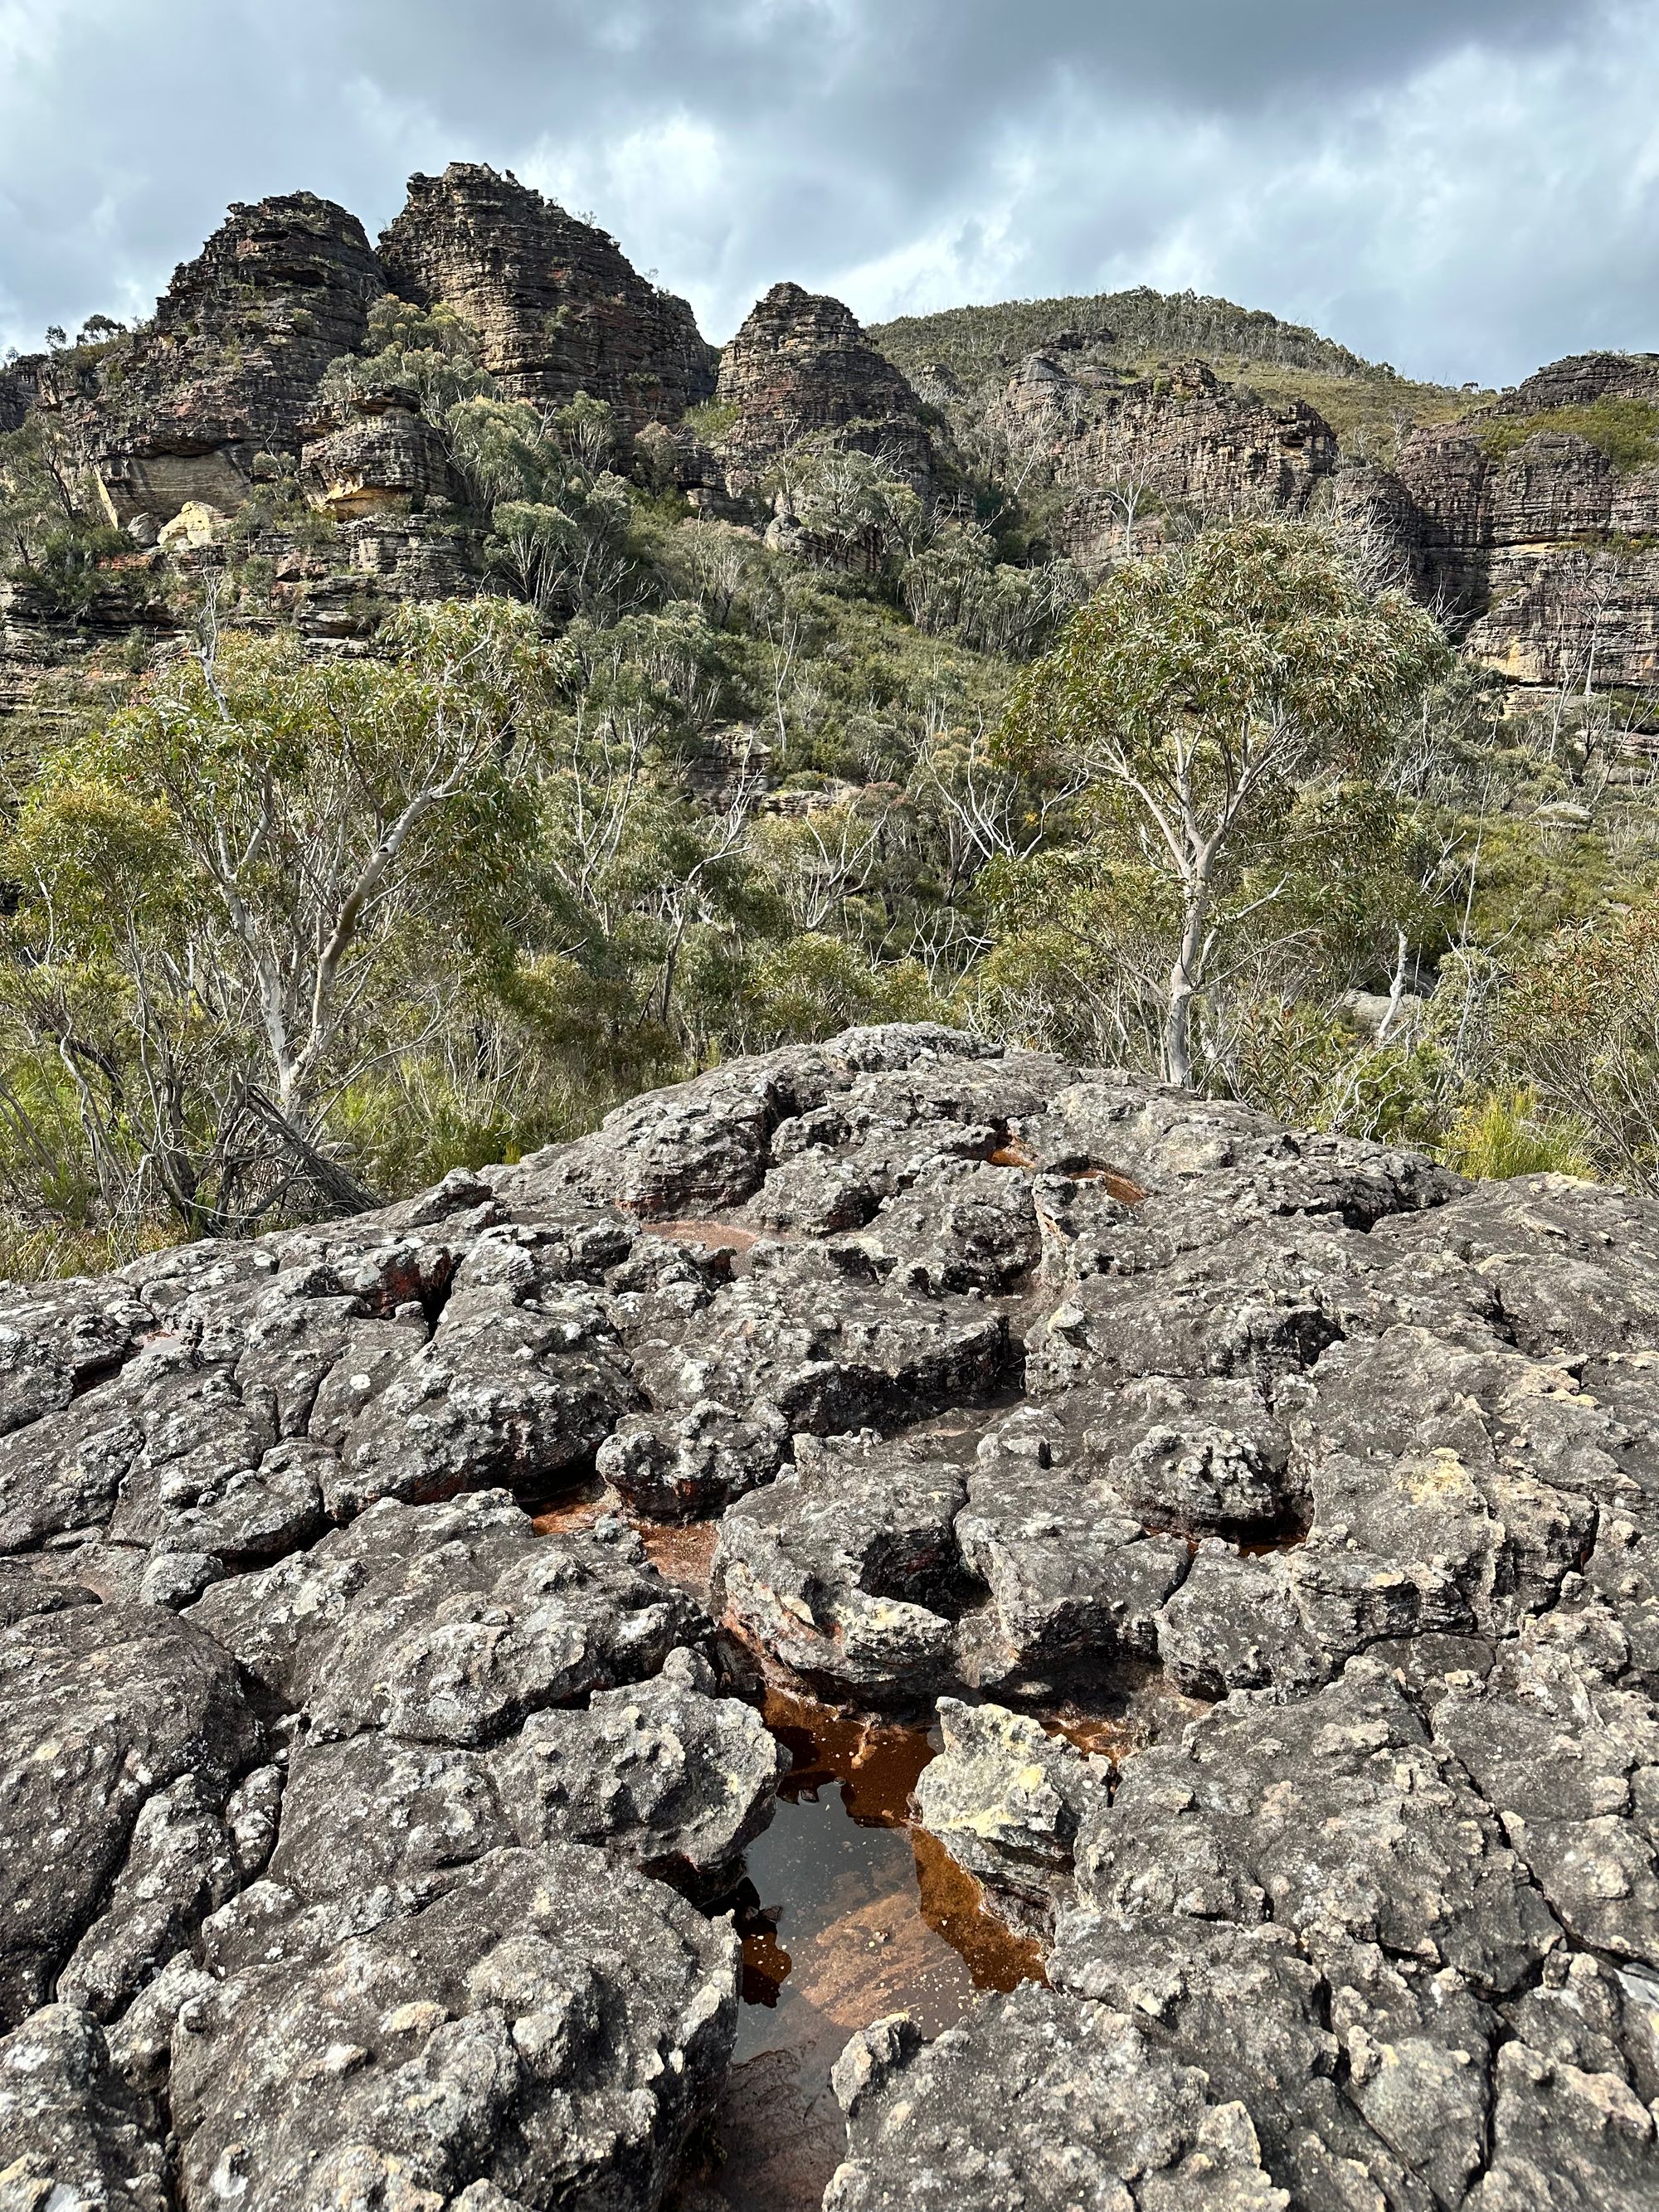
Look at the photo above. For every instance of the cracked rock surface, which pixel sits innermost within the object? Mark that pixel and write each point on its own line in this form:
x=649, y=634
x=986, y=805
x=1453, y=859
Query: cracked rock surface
x=364, y=1847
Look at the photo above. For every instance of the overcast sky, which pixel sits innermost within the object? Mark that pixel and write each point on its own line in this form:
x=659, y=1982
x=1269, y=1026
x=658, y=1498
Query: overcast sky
x=1464, y=187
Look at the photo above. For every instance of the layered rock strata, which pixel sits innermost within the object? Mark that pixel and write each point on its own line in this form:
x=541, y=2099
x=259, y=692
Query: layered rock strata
x=1179, y=436
x=380, y=455
x=801, y=369
x=557, y=307
x=1542, y=548
x=1324, y=1482
x=228, y=367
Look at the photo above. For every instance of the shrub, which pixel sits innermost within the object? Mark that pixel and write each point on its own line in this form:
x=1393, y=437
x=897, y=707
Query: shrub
x=1504, y=1133
x=1625, y=430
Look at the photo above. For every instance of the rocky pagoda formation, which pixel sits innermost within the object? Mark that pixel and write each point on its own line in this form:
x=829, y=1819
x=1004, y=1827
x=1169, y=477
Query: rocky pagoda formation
x=177, y=412
x=801, y=368
x=230, y=368
x=557, y=308
x=1541, y=546
x=368, y=1846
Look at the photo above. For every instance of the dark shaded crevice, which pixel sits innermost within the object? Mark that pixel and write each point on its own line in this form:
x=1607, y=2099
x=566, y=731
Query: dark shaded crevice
x=96, y=1372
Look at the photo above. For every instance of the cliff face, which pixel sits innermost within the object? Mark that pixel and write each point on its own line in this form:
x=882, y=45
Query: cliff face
x=20, y=388
x=559, y=308
x=1534, y=524
x=380, y=455
x=228, y=369
x=1179, y=435
x=1542, y=544
x=801, y=367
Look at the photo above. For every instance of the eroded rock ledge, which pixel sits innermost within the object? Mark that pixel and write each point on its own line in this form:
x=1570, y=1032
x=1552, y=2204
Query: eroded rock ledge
x=366, y=1848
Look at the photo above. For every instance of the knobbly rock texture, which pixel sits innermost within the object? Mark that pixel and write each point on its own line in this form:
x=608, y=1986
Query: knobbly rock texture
x=1006, y=1799
x=547, y=2024
x=801, y=368
x=558, y=308
x=364, y=1844
x=1044, y=2102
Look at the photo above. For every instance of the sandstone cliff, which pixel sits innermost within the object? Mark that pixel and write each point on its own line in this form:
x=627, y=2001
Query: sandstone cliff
x=1541, y=543
x=230, y=368
x=801, y=368
x=558, y=307
x=1180, y=436
x=1325, y=1480
x=1534, y=523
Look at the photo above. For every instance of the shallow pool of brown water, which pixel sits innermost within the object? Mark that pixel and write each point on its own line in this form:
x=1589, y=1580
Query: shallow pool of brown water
x=846, y=1911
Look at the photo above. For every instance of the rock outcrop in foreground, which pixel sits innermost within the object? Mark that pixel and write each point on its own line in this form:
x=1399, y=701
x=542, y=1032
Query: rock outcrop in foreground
x=366, y=1847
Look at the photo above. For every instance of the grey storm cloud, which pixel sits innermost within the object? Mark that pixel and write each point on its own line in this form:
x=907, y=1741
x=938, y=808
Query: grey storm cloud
x=1465, y=187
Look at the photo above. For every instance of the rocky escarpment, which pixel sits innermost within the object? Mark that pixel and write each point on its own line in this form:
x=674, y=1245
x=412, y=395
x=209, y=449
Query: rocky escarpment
x=557, y=308
x=1535, y=528
x=229, y=366
x=177, y=411
x=801, y=368
x=1127, y=445
x=1326, y=1483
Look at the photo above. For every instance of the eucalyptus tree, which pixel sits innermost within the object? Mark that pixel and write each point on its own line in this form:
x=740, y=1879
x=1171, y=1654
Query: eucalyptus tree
x=1200, y=691
x=256, y=884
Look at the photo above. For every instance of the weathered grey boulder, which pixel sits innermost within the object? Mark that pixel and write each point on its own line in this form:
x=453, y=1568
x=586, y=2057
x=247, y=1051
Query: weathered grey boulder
x=102, y=1708
x=447, y=1623
x=802, y=1343
x=1043, y=2101
x=1338, y=1819
x=846, y=1567
x=1074, y=1580
x=664, y=1773
x=674, y=1778
x=345, y=1815
x=71, y=2133
x=1006, y=1799
x=550, y=2023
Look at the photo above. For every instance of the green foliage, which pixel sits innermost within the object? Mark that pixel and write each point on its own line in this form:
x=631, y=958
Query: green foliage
x=47, y=541
x=1578, y=1026
x=1370, y=413
x=850, y=513
x=713, y=421
x=712, y=795
x=1125, y=325
x=233, y=898
x=431, y=353
x=816, y=984
x=1625, y=430
x=1200, y=694
x=1501, y=1134
x=956, y=587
